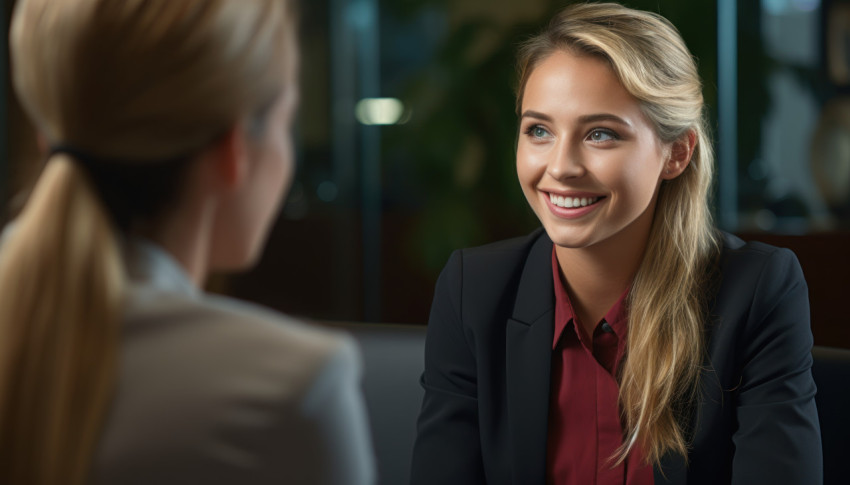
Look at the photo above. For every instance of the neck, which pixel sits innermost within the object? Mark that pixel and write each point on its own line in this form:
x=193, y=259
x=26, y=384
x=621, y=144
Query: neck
x=185, y=234
x=598, y=275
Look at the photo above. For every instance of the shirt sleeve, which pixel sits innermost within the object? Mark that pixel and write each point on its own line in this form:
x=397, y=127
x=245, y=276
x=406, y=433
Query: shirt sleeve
x=335, y=409
x=777, y=440
x=447, y=448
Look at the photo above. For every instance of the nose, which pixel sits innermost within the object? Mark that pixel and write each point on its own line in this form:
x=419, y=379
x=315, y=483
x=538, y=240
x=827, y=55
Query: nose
x=566, y=162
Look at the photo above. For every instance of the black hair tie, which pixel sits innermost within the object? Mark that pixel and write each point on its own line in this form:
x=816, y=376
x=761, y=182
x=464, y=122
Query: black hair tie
x=130, y=189
x=95, y=162
x=85, y=159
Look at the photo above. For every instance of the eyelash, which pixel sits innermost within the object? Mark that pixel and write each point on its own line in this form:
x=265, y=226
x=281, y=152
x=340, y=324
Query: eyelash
x=611, y=133
x=530, y=130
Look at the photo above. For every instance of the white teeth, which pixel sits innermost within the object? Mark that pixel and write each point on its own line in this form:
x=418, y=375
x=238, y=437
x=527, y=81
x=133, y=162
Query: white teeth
x=570, y=202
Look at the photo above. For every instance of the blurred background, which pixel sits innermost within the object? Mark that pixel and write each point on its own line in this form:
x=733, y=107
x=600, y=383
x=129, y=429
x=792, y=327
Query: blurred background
x=406, y=134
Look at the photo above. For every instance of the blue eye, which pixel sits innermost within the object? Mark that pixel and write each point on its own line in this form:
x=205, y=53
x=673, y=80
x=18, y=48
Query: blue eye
x=599, y=136
x=537, y=131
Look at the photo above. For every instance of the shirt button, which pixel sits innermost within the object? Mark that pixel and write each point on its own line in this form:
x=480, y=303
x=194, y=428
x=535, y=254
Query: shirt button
x=606, y=328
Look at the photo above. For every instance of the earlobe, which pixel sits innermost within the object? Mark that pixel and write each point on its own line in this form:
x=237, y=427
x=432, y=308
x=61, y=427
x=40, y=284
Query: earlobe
x=231, y=157
x=680, y=155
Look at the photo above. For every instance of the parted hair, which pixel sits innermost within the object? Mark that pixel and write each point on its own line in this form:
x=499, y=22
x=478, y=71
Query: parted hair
x=659, y=378
x=135, y=85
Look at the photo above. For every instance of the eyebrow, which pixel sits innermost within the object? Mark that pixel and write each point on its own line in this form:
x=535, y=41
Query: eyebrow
x=536, y=114
x=585, y=119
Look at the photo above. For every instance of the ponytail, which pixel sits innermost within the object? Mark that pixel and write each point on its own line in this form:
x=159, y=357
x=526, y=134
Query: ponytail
x=61, y=289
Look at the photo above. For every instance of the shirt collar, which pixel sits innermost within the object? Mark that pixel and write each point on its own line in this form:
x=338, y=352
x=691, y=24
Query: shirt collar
x=617, y=315
x=150, y=265
x=147, y=264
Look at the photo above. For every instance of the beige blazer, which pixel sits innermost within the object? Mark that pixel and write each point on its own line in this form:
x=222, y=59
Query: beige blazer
x=215, y=391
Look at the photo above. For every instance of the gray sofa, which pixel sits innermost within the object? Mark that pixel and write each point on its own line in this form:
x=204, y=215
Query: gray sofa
x=393, y=358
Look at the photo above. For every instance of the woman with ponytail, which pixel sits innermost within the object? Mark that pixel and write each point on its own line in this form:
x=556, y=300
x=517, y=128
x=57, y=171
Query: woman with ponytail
x=169, y=131
x=628, y=341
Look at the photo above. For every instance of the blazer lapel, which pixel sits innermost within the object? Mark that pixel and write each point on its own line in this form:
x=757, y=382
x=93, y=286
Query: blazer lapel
x=529, y=334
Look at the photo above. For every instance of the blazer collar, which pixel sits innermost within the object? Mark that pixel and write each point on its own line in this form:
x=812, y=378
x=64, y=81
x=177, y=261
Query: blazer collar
x=535, y=296
x=528, y=356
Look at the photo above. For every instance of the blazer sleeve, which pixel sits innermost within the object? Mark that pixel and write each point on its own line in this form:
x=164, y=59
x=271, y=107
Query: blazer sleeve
x=447, y=448
x=778, y=437
x=335, y=415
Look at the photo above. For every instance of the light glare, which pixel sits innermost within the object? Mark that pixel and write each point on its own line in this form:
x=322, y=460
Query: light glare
x=379, y=111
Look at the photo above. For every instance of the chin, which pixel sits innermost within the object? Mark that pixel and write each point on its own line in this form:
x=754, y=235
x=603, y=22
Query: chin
x=569, y=238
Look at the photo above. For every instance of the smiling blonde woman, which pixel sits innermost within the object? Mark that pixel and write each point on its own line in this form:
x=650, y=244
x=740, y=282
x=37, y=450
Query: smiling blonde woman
x=628, y=342
x=169, y=126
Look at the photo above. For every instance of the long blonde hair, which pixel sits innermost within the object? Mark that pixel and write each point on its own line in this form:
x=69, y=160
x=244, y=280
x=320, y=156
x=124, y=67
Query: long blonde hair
x=133, y=85
x=667, y=308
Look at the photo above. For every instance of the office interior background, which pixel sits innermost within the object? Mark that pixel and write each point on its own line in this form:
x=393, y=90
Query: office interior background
x=406, y=131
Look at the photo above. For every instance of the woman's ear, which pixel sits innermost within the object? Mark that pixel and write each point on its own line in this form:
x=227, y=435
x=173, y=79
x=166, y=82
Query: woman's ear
x=680, y=155
x=229, y=157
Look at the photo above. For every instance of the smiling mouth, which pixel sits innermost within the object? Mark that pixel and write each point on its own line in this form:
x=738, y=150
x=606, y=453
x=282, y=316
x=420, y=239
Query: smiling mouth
x=571, y=202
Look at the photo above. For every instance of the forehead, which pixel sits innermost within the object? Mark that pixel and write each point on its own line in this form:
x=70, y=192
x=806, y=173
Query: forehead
x=570, y=84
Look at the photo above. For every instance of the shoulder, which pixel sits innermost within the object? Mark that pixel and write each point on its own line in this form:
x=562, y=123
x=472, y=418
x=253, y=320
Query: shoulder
x=482, y=285
x=517, y=247
x=761, y=291
x=496, y=263
x=226, y=338
x=216, y=374
x=756, y=264
x=733, y=246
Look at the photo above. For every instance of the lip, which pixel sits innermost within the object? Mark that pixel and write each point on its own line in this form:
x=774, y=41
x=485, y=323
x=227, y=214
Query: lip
x=572, y=212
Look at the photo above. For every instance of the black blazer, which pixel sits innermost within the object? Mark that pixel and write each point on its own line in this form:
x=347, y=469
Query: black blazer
x=487, y=364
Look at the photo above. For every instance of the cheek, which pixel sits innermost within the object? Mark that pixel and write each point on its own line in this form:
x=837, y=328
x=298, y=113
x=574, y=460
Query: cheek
x=529, y=168
x=637, y=178
x=274, y=175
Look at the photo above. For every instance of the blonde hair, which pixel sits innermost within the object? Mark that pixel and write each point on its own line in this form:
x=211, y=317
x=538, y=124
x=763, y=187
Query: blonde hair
x=666, y=304
x=134, y=85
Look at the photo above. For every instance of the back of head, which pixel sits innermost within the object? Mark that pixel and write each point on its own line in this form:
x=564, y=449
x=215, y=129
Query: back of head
x=147, y=79
x=132, y=84
x=667, y=298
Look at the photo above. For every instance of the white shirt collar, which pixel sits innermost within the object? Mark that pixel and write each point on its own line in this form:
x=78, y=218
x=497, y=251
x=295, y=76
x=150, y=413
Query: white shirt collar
x=150, y=265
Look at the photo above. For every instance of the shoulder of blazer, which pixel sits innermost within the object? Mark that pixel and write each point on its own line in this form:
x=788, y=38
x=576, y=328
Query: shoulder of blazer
x=232, y=337
x=491, y=282
x=496, y=267
x=499, y=249
x=731, y=244
x=752, y=279
x=740, y=259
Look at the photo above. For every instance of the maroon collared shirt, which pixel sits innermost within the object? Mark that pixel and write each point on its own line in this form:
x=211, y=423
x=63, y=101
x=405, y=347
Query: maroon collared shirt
x=584, y=420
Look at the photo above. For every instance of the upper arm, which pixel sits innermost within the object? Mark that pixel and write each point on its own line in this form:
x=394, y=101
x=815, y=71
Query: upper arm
x=447, y=448
x=778, y=436
x=335, y=412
